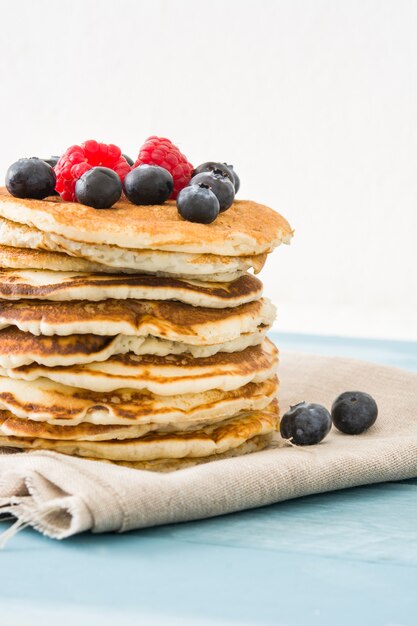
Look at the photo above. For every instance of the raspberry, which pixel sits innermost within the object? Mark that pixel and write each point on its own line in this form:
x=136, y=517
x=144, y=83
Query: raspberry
x=77, y=160
x=162, y=152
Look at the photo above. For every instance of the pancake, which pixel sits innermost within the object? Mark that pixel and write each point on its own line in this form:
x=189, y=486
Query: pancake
x=12, y=426
x=18, y=348
x=169, y=320
x=163, y=263
x=23, y=258
x=256, y=444
x=171, y=465
x=213, y=439
x=44, y=400
x=170, y=375
x=247, y=228
x=64, y=286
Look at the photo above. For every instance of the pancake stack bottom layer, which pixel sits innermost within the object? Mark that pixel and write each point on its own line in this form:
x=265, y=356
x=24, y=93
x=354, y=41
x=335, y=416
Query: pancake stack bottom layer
x=133, y=337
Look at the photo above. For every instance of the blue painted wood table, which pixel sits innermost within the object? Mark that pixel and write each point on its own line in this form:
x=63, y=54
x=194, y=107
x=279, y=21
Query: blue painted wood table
x=347, y=558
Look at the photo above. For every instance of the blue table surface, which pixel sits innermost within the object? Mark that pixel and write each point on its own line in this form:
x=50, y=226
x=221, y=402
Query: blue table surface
x=347, y=558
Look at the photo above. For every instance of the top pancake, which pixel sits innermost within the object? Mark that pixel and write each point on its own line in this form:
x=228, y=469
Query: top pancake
x=247, y=228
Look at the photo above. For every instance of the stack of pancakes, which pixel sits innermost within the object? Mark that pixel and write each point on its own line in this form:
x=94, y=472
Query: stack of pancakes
x=132, y=336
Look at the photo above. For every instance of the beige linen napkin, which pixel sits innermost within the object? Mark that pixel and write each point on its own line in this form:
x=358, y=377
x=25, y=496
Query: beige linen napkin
x=60, y=495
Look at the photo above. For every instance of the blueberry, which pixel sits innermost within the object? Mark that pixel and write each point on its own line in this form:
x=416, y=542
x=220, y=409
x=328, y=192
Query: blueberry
x=210, y=166
x=30, y=178
x=306, y=424
x=197, y=203
x=236, y=179
x=99, y=187
x=52, y=161
x=353, y=412
x=220, y=185
x=128, y=159
x=148, y=184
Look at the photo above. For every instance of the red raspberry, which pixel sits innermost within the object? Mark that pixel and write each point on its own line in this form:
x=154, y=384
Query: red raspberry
x=162, y=152
x=78, y=159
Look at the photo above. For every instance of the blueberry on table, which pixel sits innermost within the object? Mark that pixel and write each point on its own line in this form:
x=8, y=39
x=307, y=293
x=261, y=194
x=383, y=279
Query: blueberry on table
x=99, y=187
x=31, y=178
x=197, y=203
x=210, y=166
x=148, y=184
x=305, y=424
x=353, y=412
x=220, y=185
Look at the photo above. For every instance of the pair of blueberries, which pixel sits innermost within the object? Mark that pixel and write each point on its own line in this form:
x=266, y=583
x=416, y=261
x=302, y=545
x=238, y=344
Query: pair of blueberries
x=352, y=413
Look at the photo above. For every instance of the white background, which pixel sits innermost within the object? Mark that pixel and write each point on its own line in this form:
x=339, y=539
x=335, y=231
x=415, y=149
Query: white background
x=315, y=102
